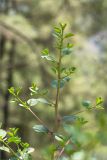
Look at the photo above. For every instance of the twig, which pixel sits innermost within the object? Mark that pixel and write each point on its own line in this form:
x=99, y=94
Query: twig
x=58, y=87
x=62, y=150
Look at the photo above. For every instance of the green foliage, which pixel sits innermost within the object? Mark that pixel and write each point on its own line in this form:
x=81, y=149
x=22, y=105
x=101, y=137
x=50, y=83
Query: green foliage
x=71, y=137
x=22, y=150
x=40, y=128
x=86, y=104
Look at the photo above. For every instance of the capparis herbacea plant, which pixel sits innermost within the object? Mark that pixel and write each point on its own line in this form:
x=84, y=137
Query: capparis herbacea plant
x=66, y=134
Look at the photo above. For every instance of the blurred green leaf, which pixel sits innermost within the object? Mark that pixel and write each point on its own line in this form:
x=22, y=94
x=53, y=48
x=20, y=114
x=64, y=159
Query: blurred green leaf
x=68, y=35
x=59, y=138
x=45, y=51
x=2, y=133
x=54, y=83
x=69, y=118
x=11, y=90
x=14, y=139
x=48, y=57
x=99, y=100
x=3, y=148
x=99, y=107
x=86, y=104
x=40, y=128
x=34, y=101
x=66, y=51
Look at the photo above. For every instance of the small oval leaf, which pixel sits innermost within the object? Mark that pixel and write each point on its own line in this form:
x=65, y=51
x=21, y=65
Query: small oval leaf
x=32, y=102
x=59, y=138
x=86, y=104
x=70, y=118
x=2, y=133
x=40, y=128
x=3, y=148
x=69, y=35
x=66, y=51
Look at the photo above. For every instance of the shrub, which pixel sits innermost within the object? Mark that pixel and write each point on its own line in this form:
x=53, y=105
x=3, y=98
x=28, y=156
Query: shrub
x=67, y=134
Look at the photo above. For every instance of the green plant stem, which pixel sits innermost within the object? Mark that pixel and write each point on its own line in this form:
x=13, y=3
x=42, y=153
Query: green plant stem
x=58, y=87
x=84, y=110
x=29, y=109
x=39, y=120
x=62, y=150
x=11, y=150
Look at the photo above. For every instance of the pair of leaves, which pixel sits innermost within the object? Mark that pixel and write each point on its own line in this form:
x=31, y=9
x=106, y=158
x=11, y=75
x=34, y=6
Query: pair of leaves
x=87, y=104
x=54, y=83
x=66, y=51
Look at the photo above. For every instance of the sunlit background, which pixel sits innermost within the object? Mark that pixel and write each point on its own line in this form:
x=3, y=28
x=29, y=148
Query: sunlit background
x=26, y=27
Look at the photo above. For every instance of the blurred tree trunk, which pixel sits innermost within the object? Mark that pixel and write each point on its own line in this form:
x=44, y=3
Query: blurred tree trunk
x=9, y=83
x=2, y=46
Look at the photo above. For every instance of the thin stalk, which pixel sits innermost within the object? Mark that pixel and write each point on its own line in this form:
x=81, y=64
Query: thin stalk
x=84, y=110
x=62, y=150
x=11, y=150
x=39, y=120
x=29, y=109
x=58, y=87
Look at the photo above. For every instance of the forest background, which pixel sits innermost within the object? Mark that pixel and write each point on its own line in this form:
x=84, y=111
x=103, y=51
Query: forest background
x=25, y=29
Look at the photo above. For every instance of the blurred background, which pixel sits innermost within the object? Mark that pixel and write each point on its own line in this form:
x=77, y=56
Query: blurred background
x=26, y=28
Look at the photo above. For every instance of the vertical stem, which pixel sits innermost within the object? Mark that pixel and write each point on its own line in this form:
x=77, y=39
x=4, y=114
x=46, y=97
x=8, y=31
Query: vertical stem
x=11, y=150
x=58, y=87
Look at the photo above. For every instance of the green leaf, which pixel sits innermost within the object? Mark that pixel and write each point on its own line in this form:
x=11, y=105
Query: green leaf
x=66, y=51
x=3, y=148
x=2, y=133
x=24, y=145
x=30, y=150
x=14, y=139
x=57, y=30
x=66, y=79
x=18, y=91
x=42, y=100
x=59, y=138
x=70, y=118
x=54, y=69
x=54, y=83
x=34, y=101
x=99, y=100
x=40, y=128
x=48, y=57
x=45, y=52
x=68, y=35
x=63, y=25
x=11, y=90
x=99, y=107
x=81, y=120
x=70, y=45
x=70, y=71
x=86, y=104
